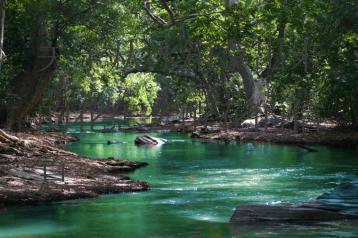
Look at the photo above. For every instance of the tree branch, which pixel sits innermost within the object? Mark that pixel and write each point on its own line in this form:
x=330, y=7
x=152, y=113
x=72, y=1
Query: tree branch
x=169, y=10
x=156, y=19
x=162, y=71
x=173, y=19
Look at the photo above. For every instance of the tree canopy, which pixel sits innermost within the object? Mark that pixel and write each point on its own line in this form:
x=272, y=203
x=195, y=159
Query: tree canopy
x=221, y=59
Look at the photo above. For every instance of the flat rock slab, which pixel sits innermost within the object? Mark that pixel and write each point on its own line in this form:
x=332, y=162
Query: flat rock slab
x=264, y=213
x=340, y=203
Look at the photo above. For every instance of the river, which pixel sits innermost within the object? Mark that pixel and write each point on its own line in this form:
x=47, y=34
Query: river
x=195, y=187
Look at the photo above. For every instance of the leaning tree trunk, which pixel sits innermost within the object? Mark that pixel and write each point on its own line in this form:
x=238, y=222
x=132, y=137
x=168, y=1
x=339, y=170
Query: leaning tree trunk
x=253, y=95
x=30, y=84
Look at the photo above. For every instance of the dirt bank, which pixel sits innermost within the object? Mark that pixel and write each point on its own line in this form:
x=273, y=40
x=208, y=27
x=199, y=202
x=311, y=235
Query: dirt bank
x=338, y=137
x=283, y=136
x=23, y=157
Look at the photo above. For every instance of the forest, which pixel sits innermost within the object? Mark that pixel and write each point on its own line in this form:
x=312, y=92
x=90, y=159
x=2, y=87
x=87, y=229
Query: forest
x=241, y=117
x=224, y=60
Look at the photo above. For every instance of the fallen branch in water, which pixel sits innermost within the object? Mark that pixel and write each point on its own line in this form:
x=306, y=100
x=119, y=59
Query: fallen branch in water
x=307, y=148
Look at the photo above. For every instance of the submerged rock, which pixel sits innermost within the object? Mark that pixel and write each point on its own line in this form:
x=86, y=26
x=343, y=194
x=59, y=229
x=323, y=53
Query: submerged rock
x=108, y=130
x=340, y=203
x=267, y=213
x=344, y=197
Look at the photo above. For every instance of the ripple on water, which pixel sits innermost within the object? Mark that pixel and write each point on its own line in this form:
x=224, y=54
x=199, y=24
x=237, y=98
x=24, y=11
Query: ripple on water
x=202, y=216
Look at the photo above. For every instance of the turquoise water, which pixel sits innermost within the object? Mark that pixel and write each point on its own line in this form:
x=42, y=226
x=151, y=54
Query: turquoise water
x=195, y=187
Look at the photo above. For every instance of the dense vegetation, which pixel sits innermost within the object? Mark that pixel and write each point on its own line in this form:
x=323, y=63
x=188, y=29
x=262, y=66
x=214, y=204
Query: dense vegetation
x=223, y=60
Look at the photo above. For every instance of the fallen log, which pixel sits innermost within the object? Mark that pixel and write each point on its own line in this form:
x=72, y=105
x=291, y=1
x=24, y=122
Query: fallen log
x=307, y=148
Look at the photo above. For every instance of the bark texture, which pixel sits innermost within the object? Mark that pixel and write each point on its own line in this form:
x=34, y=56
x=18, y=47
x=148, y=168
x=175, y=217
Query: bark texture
x=30, y=84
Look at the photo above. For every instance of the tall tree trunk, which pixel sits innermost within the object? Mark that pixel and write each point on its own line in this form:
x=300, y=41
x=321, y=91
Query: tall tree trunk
x=67, y=118
x=266, y=116
x=195, y=114
x=113, y=117
x=30, y=84
x=81, y=119
x=353, y=114
x=2, y=30
x=92, y=119
x=211, y=105
x=62, y=100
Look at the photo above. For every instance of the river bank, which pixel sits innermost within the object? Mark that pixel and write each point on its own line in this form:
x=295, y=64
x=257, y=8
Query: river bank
x=283, y=136
x=34, y=168
x=328, y=134
x=216, y=132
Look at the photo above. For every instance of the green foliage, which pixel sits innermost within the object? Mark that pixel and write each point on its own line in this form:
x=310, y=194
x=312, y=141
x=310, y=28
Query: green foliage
x=140, y=92
x=102, y=42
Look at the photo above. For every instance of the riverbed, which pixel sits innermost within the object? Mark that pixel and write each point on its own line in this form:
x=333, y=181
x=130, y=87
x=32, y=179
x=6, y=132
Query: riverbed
x=195, y=187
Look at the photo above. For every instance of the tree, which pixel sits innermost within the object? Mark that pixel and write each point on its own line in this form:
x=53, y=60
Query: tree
x=45, y=24
x=2, y=30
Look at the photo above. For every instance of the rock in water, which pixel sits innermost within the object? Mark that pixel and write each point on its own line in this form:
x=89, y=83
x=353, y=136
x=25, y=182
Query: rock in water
x=344, y=197
x=112, y=142
x=266, y=213
x=195, y=134
x=340, y=203
x=149, y=140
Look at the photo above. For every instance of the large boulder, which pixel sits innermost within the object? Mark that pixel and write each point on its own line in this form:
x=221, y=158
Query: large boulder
x=195, y=135
x=209, y=129
x=272, y=120
x=344, y=197
x=249, y=123
x=149, y=140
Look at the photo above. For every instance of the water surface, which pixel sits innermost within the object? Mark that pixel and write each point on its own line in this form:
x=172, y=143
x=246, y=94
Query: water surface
x=194, y=188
